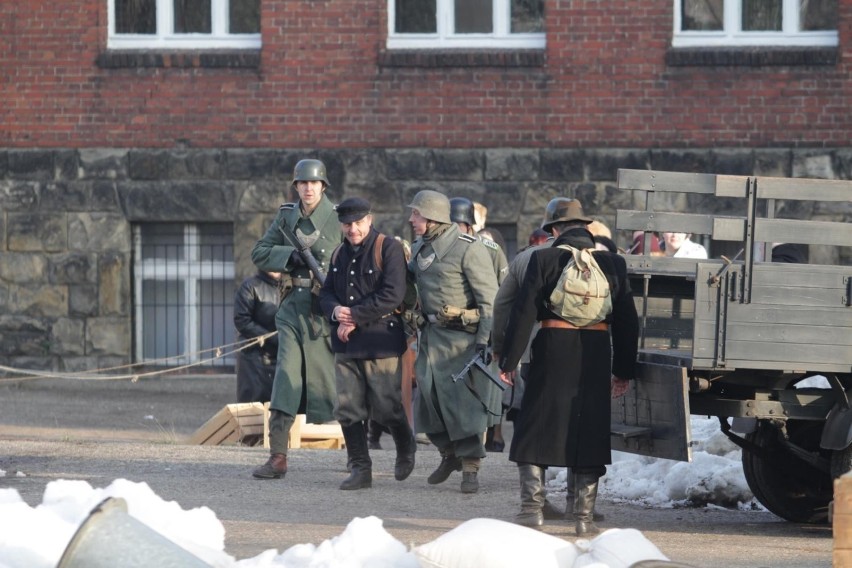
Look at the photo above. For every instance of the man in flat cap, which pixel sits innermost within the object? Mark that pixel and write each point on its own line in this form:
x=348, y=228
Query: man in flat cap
x=362, y=293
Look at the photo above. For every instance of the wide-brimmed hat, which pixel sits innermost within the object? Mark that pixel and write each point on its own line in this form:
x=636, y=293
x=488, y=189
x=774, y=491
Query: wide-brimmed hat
x=353, y=209
x=565, y=210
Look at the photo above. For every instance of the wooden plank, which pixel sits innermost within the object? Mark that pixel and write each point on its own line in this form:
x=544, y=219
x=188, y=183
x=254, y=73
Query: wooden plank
x=799, y=189
x=775, y=333
x=680, y=182
x=780, y=231
x=781, y=357
x=661, y=221
x=661, y=265
x=779, y=314
x=231, y=424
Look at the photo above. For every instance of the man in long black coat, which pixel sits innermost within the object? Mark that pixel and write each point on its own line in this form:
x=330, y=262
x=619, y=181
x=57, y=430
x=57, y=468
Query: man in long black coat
x=255, y=305
x=564, y=418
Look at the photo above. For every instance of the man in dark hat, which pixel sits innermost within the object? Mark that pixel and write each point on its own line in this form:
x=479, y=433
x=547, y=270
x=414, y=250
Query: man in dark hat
x=573, y=371
x=364, y=288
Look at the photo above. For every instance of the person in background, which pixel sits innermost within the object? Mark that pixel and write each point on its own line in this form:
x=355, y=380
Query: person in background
x=480, y=216
x=462, y=214
x=304, y=375
x=602, y=236
x=564, y=416
x=638, y=246
x=255, y=305
x=537, y=237
x=361, y=296
x=678, y=245
x=456, y=284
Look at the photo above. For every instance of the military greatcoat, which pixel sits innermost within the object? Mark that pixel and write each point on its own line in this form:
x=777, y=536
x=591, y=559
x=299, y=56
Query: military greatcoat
x=453, y=269
x=303, y=332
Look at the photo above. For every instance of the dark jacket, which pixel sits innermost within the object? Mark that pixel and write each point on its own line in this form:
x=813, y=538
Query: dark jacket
x=564, y=417
x=355, y=280
x=255, y=305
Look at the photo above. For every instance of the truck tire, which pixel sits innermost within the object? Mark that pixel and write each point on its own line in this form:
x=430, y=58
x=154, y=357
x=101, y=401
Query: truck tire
x=786, y=485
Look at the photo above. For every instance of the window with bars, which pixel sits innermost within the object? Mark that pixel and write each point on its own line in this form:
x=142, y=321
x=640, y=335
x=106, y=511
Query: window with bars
x=183, y=292
x=184, y=24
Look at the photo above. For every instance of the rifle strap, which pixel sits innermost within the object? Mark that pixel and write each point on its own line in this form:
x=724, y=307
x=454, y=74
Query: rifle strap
x=377, y=251
x=470, y=386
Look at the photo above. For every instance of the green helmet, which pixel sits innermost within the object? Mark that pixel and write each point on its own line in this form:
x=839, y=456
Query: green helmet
x=310, y=170
x=432, y=205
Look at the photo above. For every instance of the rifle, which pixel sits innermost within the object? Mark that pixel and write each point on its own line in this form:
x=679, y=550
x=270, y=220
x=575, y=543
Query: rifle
x=479, y=363
x=304, y=252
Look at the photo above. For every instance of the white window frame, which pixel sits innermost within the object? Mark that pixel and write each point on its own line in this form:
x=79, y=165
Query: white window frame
x=444, y=38
x=165, y=38
x=191, y=269
x=732, y=35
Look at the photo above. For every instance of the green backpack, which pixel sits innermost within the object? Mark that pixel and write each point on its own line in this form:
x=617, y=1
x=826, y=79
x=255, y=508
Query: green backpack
x=582, y=296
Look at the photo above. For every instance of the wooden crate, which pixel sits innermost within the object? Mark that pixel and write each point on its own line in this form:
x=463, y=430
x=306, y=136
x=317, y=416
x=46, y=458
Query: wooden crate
x=320, y=436
x=232, y=424
x=841, y=521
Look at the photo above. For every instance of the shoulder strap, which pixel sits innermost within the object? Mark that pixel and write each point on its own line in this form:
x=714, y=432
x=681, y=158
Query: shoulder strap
x=334, y=254
x=377, y=251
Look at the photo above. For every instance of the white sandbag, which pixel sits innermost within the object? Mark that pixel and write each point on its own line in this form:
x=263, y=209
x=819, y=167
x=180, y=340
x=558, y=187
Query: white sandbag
x=616, y=548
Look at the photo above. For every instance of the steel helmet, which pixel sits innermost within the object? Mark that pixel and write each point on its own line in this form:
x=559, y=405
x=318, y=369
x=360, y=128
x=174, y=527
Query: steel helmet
x=310, y=170
x=461, y=210
x=561, y=210
x=432, y=205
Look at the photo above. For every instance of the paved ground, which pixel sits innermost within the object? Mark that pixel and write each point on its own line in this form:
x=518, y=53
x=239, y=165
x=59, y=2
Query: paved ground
x=101, y=431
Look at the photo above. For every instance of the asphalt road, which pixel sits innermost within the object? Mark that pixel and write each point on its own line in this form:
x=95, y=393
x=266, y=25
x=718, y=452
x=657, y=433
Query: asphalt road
x=101, y=431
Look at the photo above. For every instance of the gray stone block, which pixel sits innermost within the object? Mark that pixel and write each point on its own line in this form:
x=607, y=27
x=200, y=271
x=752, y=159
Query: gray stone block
x=103, y=196
x=37, y=232
x=603, y=165
x=64, y=196
x=103, y=163
x=733, y=161
x=114, y=284
x=39, y=301
x=82, y=300
x=261, y=196
x=382, y=195
x=410, y=164
x=177, y=201
x=504, y=201
x=21, y=268
x=816, y=164
x=32, y=165
x=253, y=164
x=67, y=165
x=18, y=195
x=4, y=163
x=772, y=163
x=511, y=165
x=98, y=232
x=72, y=268
x=364, y=167
x=67, y=337
x=693, y=161
x=108, y=336
x=459, y=165
x=562, y=165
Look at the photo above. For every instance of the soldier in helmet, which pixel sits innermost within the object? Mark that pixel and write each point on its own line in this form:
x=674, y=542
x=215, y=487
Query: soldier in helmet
x=456, y=285
x=304, y=378
x=461, y=213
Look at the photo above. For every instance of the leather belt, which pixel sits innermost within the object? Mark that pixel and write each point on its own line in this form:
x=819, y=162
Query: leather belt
x=303, y=282
x=600, y=326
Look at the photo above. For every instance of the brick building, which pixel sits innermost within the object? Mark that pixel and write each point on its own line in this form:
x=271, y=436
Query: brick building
x=145, y=144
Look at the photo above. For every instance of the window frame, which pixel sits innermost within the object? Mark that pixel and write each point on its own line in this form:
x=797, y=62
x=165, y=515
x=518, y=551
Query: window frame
x=732, y=36
x=443, y=38
x=190, y=270
x=218, y=38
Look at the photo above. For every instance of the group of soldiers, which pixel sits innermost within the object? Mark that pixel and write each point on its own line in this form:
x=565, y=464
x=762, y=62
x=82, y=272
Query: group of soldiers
x=350, y=292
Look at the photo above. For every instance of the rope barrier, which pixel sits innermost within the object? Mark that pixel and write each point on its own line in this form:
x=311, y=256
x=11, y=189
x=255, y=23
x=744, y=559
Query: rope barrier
x=99, y=374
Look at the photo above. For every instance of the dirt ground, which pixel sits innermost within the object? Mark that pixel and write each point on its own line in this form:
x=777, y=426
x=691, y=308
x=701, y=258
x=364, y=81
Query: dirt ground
x=99, y=431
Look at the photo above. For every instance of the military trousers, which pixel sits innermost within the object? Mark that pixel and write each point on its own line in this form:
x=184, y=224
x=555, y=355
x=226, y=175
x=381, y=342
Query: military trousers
x=369, y=388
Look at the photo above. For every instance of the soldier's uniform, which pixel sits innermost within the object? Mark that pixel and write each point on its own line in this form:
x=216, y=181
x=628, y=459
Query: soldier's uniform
x=452, y=269
x=498, y=258
x=303, y=332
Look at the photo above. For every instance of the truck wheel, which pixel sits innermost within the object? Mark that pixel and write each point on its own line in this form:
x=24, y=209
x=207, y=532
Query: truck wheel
x=786, y=485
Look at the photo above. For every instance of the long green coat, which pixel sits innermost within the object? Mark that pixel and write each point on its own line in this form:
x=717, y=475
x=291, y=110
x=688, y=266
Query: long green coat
x=454, y=269
x=303, y=332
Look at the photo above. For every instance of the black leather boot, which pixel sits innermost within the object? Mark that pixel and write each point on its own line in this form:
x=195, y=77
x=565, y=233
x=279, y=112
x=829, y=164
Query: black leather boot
x=585, y=495
x=569, y=501
x=361, y=474
x=406, y=446
x=374, y=434
x=449, y=464
x=532, y=496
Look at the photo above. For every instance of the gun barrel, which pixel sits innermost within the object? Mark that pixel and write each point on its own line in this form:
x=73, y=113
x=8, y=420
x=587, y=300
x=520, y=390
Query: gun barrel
x=304, y=252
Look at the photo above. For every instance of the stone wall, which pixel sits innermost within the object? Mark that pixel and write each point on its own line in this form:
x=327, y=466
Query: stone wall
x=66, y=215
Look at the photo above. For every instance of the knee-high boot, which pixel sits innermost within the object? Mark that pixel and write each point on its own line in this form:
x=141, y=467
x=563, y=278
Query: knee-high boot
x=569, y=501
x=361, y=474
x=585, y=495
x=532, y=496
x=406, y=447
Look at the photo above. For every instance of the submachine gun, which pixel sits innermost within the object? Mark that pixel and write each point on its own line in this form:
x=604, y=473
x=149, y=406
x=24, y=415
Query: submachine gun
x=305, y=252
x=479, y=363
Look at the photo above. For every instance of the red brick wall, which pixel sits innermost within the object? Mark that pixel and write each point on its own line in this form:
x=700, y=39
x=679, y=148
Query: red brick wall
x=604, y=83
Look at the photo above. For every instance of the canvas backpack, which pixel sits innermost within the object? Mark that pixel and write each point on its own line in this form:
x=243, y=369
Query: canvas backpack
x=582, y=295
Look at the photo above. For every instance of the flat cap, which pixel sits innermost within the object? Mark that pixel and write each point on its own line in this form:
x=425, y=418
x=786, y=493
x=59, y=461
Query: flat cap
x=353, y=209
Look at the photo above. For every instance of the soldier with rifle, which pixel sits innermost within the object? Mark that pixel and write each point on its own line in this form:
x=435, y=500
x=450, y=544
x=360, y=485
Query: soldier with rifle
x=299, y=243
x=456, y=285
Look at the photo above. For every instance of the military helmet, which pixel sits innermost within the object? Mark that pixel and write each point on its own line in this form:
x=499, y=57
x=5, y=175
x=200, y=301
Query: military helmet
x=561, y=210
x=432, y=205
x=310, y=170
x=461, y=210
